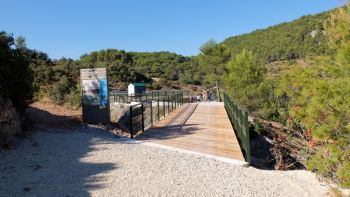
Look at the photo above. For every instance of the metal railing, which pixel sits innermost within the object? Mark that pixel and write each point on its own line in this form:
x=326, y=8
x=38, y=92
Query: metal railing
x=124, y=97
x=148, y=112
x=239, y=120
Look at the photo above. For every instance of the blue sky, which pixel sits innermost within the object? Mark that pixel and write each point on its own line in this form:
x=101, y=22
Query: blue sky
x=70, y=28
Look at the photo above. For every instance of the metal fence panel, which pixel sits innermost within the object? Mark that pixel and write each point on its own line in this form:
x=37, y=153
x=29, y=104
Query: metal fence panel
x=152, y=108
x=239, y=119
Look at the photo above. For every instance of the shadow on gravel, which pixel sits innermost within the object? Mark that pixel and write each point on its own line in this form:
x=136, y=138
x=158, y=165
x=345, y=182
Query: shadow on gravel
x=168, y=132
x=55, y=164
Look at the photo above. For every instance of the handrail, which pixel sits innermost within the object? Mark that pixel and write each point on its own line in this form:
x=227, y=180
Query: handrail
x=239, y=120
x=148, y=112
x=124, y=97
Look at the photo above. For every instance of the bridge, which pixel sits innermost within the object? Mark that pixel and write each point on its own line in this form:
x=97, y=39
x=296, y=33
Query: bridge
x=207, y=128
x=203, y=128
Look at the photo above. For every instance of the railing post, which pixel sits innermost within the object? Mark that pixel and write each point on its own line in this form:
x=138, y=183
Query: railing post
x=172, y=102
x=182, y=100
x=168, y=105
x=247, y=137
x=130, y=123
x=164, y=106
x=158, y=108
x=151, y=114
x=175, y=101
x=142, y=119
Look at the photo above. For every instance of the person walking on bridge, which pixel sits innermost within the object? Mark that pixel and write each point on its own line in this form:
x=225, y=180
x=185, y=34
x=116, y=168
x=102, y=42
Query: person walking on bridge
x=209, y=94
x=205, y=95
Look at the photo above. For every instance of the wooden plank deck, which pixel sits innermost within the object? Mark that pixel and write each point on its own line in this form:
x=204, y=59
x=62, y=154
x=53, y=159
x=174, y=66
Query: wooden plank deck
x=208, y=130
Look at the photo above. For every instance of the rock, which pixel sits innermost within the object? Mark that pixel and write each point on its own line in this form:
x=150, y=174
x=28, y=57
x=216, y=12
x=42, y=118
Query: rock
x=10, y=123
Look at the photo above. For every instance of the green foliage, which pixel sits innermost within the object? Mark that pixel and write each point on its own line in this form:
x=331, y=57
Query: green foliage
x=244, y=79
x=337, y=27
x=212, y=61
x=318, y=101
x=332, y=161
x=319, y=97
x=312, y=94
x=344, y=173
x=73, y=99
x=21, y=42
x=118, y=63
x=59, y=90
x=300, y=38
x=61, y=76
x=164, y=65
x=15, y=74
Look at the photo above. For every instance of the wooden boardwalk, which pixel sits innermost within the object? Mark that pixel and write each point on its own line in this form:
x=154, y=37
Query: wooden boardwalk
x=204, y=128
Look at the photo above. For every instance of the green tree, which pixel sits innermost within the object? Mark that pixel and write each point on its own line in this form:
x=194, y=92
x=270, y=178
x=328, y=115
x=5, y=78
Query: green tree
x=21, y=42
x=319, y=97
x=244, y=78
x=212, y=61
x=15, y=74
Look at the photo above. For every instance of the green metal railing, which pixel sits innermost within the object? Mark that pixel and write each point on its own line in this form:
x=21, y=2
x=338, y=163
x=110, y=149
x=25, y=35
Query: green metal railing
x=150, y=111
x=123, y=97
x=239, y=119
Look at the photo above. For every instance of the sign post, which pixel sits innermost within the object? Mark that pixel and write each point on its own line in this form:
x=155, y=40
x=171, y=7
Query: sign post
x=95, y=96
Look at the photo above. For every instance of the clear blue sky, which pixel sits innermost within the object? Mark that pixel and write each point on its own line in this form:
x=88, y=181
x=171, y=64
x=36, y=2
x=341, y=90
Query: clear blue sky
x=69, y=28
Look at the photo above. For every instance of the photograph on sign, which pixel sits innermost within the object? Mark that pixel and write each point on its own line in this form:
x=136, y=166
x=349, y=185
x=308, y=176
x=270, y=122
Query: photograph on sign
x=91, y=92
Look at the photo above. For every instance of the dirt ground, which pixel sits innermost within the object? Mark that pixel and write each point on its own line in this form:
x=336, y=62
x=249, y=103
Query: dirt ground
x=45, y=115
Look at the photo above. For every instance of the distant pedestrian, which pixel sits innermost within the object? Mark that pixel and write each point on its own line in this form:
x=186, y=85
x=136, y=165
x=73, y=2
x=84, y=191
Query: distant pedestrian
x=205, y=95
x=209, y=95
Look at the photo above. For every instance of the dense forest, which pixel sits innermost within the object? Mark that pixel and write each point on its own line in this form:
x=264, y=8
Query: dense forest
x=295, y=73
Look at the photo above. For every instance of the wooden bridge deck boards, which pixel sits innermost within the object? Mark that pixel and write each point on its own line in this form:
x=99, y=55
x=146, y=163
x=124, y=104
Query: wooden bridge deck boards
x=208, y=130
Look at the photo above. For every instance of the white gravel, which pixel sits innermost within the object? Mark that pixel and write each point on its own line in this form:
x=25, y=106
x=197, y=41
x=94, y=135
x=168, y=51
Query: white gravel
x=94, y=163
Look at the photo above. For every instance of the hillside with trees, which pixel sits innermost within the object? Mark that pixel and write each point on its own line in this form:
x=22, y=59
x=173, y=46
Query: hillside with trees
x=310, y=96
x=300, y=38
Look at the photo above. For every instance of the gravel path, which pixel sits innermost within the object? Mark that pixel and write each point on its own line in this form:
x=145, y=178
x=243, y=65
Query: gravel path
x=93, y=163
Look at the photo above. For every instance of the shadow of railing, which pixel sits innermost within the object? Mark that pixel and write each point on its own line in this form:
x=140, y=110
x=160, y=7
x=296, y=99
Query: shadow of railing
x=168, y=132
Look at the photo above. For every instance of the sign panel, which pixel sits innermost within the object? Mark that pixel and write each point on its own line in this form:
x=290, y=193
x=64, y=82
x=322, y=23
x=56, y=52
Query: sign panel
x=95, y=102
x=103, y=93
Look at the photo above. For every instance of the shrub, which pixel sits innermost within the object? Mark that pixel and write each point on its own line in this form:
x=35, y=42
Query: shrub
x=73, y=99
x=59, y=90
x=15, y=76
